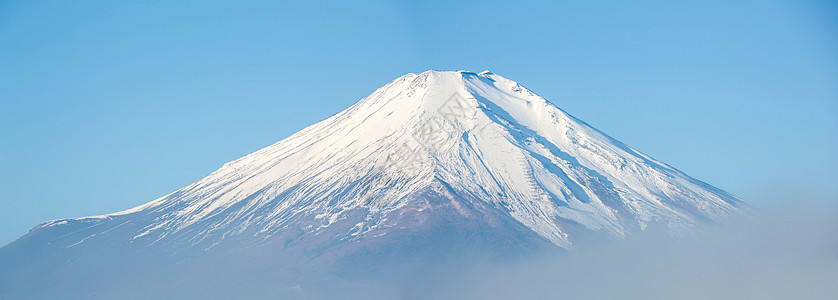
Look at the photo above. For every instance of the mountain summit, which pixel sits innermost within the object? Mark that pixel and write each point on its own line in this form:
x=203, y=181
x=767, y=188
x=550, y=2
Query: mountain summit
x=455, y=158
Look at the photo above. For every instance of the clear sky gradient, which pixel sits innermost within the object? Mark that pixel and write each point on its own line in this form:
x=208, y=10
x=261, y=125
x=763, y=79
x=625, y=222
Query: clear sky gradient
x=105, y=105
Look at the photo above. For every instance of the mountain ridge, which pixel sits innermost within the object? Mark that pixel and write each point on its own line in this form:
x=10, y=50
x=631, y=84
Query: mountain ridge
x=431, y=166
x=426, y=132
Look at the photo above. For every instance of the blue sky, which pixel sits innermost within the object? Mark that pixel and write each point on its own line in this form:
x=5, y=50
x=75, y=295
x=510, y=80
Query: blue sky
x=105, y=105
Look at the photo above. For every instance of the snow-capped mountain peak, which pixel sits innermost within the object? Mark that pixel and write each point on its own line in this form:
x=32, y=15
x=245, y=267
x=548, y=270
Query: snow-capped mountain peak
x=431, y=169
x=478, y=138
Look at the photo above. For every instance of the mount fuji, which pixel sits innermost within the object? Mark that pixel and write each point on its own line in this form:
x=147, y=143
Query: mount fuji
x=434, y=166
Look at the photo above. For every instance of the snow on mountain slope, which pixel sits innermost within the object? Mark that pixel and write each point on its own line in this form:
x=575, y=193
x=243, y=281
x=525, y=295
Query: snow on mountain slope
x=433, y=169
x=480, y=137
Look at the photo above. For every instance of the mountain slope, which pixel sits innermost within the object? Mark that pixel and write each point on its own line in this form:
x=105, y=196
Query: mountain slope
x=457, y=158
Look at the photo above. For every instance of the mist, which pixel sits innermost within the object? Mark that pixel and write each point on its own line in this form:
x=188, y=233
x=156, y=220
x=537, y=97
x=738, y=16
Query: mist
x=789, y=251
x=786, y=253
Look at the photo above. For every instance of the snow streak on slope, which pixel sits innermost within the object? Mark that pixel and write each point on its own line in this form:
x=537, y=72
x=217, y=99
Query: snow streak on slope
x=479, y=137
